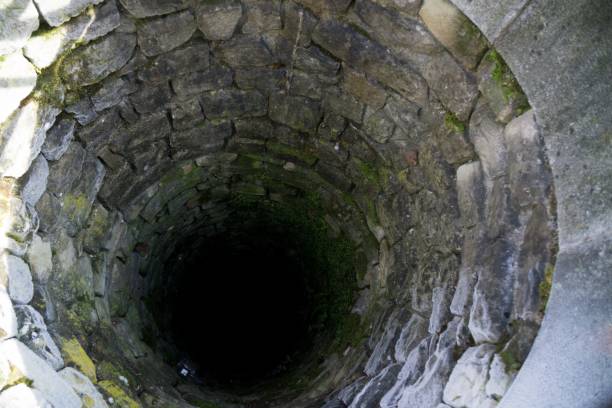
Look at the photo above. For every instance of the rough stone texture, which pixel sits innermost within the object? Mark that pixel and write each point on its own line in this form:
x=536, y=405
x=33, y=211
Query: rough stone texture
x=17, y=273
x=224, y=104
x=163, y=34
x=40, y=259
x=56, y=14
x=147, y=8
x=218, y=20
x=45, y=380
x=21, y=395
x=246, y=51
x=33, y=333
x=83, y=387
x=454, y=31
x=296, y=112
x=17, y=22
x=8, y=319
x=262, y=15
x=45, y=48
x=35, y=181
x=23, y=135
x=466, y=384
x=373, y=391
x=94, y=62
x=18, y=80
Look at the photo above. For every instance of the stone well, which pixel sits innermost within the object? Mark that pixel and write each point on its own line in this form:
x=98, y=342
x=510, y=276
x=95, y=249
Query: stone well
x=305, y=203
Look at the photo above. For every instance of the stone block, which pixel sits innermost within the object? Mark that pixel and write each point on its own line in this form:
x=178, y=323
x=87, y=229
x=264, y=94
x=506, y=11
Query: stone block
x=163, y=34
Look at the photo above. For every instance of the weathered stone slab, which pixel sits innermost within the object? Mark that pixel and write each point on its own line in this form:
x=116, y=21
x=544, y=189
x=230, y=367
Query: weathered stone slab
x=34, y=181
x=18, y=20
x=186, y=114
x=8, y=319
x=95, y=61
x=329, y=6
x=22, y=136
x=262, y=15
x=63, y=173
x=83, y=387
x=165, y=33
x=343, y=104
x=40, y=259
x=33, y=333
x=17, y=80
x=216, y=77
x=191, y=58
x=14, y=270
x=151, y=99
x=455, y=31
x=230, y=103
x=150, y=8
x=411, y=371
x=45, y=380
x=370, y=57
x=217, y=20
x=112, y=92
x=57, y=13
x=202, y=140
x=466, y=384
x=377, y=387
x=367, y=92
x=246, y=51
x=21, y=395
x=296, y=112
x=45, y=48
x=263, y=79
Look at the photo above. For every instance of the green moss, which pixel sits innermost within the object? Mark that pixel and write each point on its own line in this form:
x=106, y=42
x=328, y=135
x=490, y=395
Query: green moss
x=368, y=170
x=546, y=286
x=75, y=355
x=510, y=361
x=453, y=123
x=76, y=207
x=121, y=398
x=502, y=75
x=291, y=152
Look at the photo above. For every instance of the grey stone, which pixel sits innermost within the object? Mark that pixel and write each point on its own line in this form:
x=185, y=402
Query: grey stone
x=93, y=62
x=193, y=57
x=343, y=104
x=45, y=380
x=265, y=80
x=456, y=88
x=314, y=61
x=455, y=31
x=186, y=114
x=40, y=259
x=46, y=48
x=297, y=112
x=22, y=136
x=427, y=391
x=8, y=319
x=56, y=14
x=229, y=103
x=130, y=342
x=21, y=395
x=148, y=8
x=112, y=92
x=35, y=181
x=323, y=6
x=491, y=18
x=194, y=83
x=83, y=387
x=499, y=379
x=58, y=139
x=376, y=388
x=18, y=20
x=408, y=7
x=218, y=20
x=151, y=99
x=33, y=333
x=202, y=140
x=382, y=355
x=410, y=337
x=246, y=51
x=262, y=15
x=96, y=135
x=17, y=273
x=18, y=80
x=466, y=384
x=98, y=226
x=63, y=173
x=378, y=126
x=363, y=89
x=411, y=371
x=407, y=116
x=82, y=110
x=163, y=34
x=370, y=57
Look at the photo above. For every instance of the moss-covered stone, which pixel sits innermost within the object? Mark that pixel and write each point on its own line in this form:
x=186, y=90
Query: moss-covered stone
x=74, y=355
x=120, y=397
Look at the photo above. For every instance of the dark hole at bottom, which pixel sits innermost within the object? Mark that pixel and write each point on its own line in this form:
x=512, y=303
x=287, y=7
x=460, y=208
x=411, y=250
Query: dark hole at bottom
x=240, y=309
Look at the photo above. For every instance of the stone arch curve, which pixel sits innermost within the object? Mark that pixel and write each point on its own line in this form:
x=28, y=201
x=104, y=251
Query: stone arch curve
x=134, y=130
